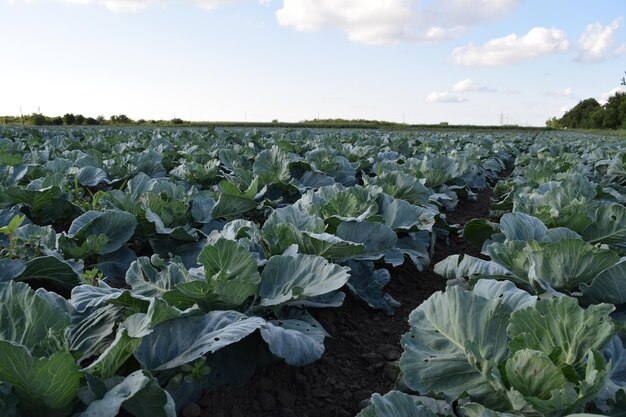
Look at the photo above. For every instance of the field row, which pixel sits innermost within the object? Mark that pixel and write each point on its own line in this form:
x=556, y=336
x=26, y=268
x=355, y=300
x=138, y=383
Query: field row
x=141, y=268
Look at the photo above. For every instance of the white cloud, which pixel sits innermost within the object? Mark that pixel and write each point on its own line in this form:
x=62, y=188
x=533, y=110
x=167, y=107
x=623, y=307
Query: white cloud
x=366, y=21
x=470, y=85
x=372, y=22
x=392, y=21
x=512, y=48
x=470, y=12
x=566, y=92
x=597, y=41
x=138, y=5
x=445, y=97
x=620, y=50
x=464, y=86
x=605, y=97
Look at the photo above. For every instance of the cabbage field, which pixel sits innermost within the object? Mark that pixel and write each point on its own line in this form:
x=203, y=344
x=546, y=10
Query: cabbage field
x=238, y=272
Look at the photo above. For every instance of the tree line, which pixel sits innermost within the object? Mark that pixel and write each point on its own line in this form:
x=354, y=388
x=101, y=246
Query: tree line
x=589, y=114
x=70, y=119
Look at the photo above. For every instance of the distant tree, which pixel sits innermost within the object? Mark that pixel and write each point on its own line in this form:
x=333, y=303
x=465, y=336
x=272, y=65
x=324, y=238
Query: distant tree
x=624, y=80
x=91, y=121
x=80, y=119
x=37, y=119
x=553, y=123
x=101, y=119
x=579, y=117
x=615, y=112
x=176, y=121
x=69, y=119
x=121, y=119
x=589, y=114
x=57, y=121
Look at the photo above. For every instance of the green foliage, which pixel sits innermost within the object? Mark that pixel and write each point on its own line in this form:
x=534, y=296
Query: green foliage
x=121, y=119
x=589, y=114
x=225, y=238
x=92, y=276
x=69, y=119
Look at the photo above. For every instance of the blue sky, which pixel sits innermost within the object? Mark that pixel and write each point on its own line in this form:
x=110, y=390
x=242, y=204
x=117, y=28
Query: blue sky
x=460, y=61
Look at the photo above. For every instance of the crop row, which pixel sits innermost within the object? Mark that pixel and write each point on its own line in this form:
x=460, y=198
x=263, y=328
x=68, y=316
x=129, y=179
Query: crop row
x=535, y=326
x=139, y=268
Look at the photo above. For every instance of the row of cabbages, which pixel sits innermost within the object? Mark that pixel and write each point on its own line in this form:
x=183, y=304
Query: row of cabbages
x=139, y=268
x=536, y=326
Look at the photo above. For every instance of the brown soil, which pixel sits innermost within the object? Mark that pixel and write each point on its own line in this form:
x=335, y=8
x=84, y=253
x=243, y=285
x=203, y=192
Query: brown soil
x=360, y=357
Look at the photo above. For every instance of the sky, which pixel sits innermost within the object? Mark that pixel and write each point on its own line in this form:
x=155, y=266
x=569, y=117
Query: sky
x=414, y=61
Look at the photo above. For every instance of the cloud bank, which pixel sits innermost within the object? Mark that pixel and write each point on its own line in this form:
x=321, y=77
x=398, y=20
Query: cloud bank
x=513, y=48
x=597, y=42
x=392, y=21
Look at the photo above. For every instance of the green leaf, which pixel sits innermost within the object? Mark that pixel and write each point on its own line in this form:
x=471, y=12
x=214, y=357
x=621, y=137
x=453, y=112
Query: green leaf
x=90, y=246
x=117, y=226
x=180, y=341
x=377, y=238
x=538, y=382
x=469, y=267
x=291, y=215
x=109, y=361
x=568, y=263
x=533, y=374
x=510, y=295
x=30, y=320
x=298, y=342
x=456, y=341
x=139, y=393
x=231, y=205
x=231, y=272
x=479, y=410
x=609, y=226
x=287, y=278
x=520, y=226
x=90, y=176
x=438, y=170
x=50, y=269
x=395, y=404
x=44, y=385
x=47, y=205
x=401, y=186
x=146, y=280
x=512, y=256
x=561, y=323
x=609, y=286
x=13, y=225
x=477, y=231
x=90, y=329
x=367, y=284
x=271, y=165
x=400, y=215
